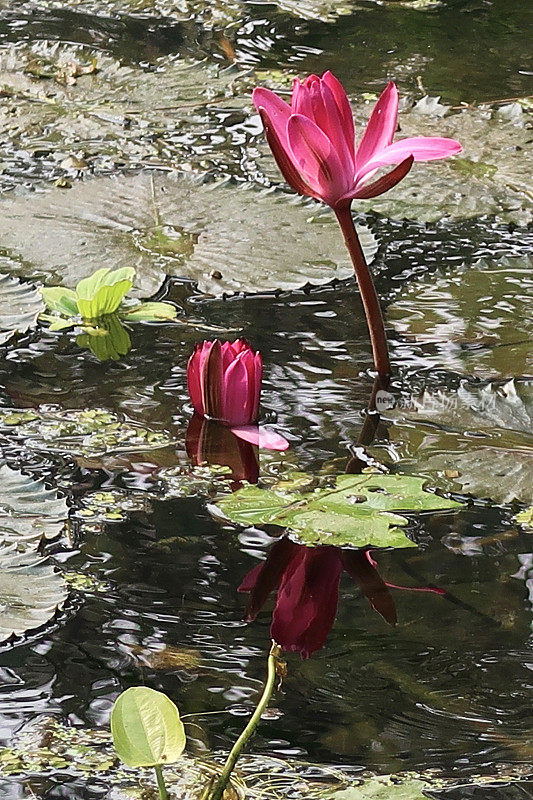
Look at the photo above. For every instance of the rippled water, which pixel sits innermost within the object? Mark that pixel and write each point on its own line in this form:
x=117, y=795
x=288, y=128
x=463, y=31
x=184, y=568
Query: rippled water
x=448, y=686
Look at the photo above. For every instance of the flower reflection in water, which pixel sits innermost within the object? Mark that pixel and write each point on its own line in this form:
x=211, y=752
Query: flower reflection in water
x=307, y=582
x=211, y=443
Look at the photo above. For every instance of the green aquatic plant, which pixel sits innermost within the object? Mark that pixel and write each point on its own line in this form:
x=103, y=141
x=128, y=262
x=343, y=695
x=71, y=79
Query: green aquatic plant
x=147, y=731
x=356, y=510
x=98, y=306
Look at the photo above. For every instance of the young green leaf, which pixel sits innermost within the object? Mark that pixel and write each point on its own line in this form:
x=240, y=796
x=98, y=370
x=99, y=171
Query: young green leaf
x=103, y=292
x=146, y=728
x=58, y=298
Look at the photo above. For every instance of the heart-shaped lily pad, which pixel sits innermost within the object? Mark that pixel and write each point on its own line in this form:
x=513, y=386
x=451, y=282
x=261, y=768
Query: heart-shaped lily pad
x=20, y=305
x=475, y=320
x=29, y=511
x=224, y=236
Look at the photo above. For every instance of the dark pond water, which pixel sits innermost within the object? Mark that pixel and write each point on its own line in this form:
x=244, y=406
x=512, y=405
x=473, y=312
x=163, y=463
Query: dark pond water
x=447, y=687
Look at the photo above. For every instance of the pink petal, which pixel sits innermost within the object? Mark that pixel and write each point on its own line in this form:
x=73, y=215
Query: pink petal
x=235, y=394
x=284, y=159
x=422, y=148
x=327, y=117
x=317, y=160
x=278, y=111
x=344, y=108
x=258, y=376
x=262, y=437
x=193, y=381
x=301, y=100
x=385, y=183
x=381, y=126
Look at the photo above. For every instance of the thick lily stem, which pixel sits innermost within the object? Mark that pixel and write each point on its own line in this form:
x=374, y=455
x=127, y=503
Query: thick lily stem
x=247, y=733
x=367, y=290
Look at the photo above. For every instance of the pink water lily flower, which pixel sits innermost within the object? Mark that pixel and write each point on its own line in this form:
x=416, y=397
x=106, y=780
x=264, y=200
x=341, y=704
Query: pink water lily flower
x=224, y=382
x=313, y=141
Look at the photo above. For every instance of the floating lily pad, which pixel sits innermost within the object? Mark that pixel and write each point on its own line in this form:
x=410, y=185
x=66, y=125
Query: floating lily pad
x=477, y=438
x=358, y=510
x=92, y=432
x=212, y=14
x=490, y=176
x=20, y=305
x=31, y=592
x=385, y=788
x=226, y=237
x=29, y=512
x=474, y=320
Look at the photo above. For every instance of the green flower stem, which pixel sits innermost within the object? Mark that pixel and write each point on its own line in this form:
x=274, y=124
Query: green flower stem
x=374, y=318
x=163, y=794
x=248, y=732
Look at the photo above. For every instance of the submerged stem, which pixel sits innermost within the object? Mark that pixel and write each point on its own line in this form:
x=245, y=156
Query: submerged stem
x=247, y=733
x=367, y=290
x=163, y=794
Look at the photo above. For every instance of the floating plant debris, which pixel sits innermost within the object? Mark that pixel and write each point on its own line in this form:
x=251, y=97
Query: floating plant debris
x=89, y=432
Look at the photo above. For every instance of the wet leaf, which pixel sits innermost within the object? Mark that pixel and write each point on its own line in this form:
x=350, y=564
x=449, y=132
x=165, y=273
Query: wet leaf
x=146, y=728
x=240, y=239
x=474, y=320
x=29, y=512
x=20, y=305
x=149, y=312
x=525, y=517
x=31, y=592
x=360, y=510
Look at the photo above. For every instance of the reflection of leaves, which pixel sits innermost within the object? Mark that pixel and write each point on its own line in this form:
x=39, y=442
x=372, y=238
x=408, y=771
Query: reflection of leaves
x=358, y=511
x=477, y=319
x=20, y=305
x=109, y=341
x=239, y=238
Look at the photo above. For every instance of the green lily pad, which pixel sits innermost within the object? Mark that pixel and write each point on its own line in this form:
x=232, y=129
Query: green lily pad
x=475, y=320
x=89, y=432
x=31, y=592
x=29, y=512
x=240, y=239
x=385, y=788
x=20, y=305
x=359, y=510
x=477, y=438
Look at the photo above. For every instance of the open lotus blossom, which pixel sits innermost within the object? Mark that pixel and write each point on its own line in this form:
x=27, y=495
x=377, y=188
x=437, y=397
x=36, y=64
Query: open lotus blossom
x=224, y=382
x=313, y=141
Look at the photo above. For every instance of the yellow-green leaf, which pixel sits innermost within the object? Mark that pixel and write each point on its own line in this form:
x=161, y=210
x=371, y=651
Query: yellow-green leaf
x=105, y=301
x=57, y=298
x=146, y=728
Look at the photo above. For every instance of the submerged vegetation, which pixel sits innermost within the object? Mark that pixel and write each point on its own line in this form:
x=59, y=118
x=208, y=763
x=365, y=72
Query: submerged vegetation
x=307, y=535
